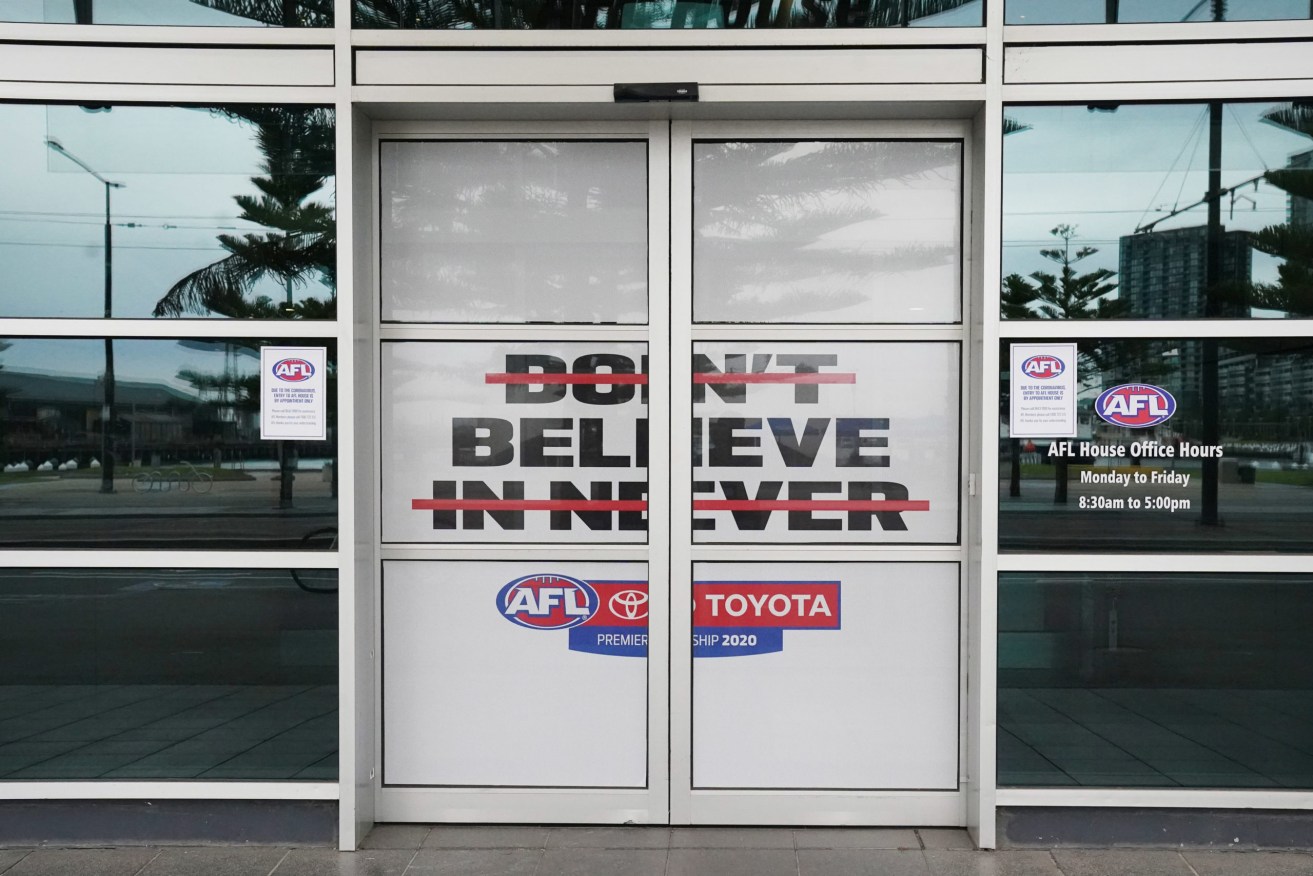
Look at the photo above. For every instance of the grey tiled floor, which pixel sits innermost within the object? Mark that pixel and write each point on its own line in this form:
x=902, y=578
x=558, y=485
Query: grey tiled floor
x=421, y=850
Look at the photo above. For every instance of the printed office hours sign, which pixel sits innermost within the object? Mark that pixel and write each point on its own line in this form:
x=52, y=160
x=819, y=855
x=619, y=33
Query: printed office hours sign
x=826, y=443
x=825, y=675
x=514, y=442
x=529, y=674
x=293, y=393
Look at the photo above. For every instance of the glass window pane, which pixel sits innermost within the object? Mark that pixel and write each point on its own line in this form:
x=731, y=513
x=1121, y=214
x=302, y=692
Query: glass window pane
x=139, y=674
x=665, y=14
x=167, y=211
x=836, y=231
x=1132, y=681
x=504, y=442
x=194, y=13
x=1128, y=11
x=1183, y=444
x=816, y=443
x=861, y=655
x=180, y=463
x=525, y=674
x=502, y=231
x=1106, y=211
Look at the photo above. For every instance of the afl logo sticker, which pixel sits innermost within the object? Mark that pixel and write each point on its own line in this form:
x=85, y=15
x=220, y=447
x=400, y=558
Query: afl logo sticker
x=1043, y=367
x=1135, y=405
x=547, y=602
x=293, y=370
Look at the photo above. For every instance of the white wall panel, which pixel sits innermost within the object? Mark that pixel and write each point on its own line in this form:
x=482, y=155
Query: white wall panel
x=1183, y=62
x=165, y=65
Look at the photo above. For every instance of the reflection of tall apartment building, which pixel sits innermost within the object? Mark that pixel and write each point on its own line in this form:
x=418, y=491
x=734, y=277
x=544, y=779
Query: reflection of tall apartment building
x=1300, y=211
x=1163, y=274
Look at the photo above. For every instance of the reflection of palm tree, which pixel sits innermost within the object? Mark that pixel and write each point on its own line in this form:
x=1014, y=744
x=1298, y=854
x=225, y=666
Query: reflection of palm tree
x=1292, y=294
x=297, y=145
x=589, y=14
x=278, y=13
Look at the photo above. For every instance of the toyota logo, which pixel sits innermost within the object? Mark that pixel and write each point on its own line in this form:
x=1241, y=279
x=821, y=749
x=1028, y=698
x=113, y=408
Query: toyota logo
x=629, y=604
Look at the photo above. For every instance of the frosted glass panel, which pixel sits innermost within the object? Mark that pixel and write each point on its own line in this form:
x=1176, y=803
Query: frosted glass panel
x=514, y=231
x=827, y=231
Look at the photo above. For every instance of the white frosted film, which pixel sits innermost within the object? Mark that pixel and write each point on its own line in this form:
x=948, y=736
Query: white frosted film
x=832, y=675
x=471, y=697
x=827, y=231
x=512, y=231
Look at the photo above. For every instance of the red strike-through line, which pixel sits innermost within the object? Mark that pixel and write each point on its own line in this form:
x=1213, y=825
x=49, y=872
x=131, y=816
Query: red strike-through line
x=810, y=505
x=762, y=377
x=527, y=505
x=629, y=379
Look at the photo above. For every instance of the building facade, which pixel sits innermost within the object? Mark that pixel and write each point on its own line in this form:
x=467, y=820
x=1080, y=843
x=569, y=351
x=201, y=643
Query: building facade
x=526, y=412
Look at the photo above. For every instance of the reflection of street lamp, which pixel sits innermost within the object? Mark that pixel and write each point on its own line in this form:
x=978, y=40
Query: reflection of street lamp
x=107, y=410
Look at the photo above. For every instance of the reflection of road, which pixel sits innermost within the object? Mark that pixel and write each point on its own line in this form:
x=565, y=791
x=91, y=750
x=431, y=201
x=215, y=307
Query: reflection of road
x=45, y=511
x=1254, y=517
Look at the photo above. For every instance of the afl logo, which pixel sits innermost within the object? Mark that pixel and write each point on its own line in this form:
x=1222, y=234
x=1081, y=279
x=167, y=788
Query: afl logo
x=293, y=370
x=1135, y=405
x=547, y=602
x=1043, y=367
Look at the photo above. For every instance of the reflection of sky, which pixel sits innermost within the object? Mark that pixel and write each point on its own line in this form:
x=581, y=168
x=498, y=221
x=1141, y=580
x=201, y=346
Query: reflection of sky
x=181, y=168
x=182, y=12
x=151, y=361
x=1110, y=172
x=1095, y=11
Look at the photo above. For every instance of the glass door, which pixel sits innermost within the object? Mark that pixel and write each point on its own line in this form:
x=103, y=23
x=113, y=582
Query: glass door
x=817, y=557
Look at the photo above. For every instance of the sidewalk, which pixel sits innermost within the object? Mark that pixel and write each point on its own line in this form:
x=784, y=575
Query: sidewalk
x=420, y=850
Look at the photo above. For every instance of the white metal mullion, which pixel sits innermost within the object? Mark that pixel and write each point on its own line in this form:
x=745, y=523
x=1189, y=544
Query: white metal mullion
x=127, y=329
x=200, y=95
x=681, y=482
x=1151, y=32
x=826, y=334
x=1133, y=92
x=128, y=34
x=1167, y=328
x=168, y=790
x=511, y=332
x=1166, y=798
x=1235, y=564
x=109, y=558
x=670, y=39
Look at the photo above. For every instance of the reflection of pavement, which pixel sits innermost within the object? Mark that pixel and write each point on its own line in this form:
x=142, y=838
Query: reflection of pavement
x=1253, y=517
x=127, y=731
x=1132, y=737
x=42, y=510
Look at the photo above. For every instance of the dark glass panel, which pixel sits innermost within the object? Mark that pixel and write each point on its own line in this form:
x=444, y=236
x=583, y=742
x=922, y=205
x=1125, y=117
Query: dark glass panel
x=1107, y=211
x=167, y=211
x=1242, y=422
x=195, y=13
x=138, y=674
x=664, y=14
x=1133, y=680
x=189, y=469
x=1128, y=11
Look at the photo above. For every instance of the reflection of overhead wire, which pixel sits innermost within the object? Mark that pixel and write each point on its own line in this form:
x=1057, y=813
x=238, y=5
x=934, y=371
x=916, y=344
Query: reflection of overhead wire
x=100, y=216
x=117, y=246
x=165, y=225
x=1245, y=135
x=1191, y=138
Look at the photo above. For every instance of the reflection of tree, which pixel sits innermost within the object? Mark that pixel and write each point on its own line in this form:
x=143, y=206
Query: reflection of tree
x=593, y=14
x=297, y=145
x=278, y=13
x=776, y=221
x=1067, y=295
x=1292, y=294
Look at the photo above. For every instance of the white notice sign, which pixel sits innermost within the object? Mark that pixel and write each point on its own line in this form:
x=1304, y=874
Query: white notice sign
x=293, y=393
x=1043, y=390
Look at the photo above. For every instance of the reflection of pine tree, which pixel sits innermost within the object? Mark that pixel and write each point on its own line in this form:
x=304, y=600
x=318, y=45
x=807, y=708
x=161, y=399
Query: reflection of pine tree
x=1292, y=294
x=766, y=209
x=298, y=148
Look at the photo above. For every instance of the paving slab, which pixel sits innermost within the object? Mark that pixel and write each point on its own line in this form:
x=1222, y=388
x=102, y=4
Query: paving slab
x=1009, y=863
x=10, y=857
x=731, y=838
x=475, y=862
x=861, y=862
x=602, y=862
x=447, y=836
x=396, y=836
x=1121, y=862
x=857, y=838
x=732, y=862
x=945, y=838
x=83, y=862
x=608, y=838
x=1250, y=863
x=327, y=862
x=215, y=861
